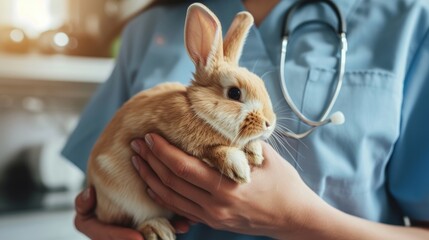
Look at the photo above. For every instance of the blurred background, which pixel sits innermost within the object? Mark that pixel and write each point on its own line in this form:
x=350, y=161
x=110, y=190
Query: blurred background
x=53, y=55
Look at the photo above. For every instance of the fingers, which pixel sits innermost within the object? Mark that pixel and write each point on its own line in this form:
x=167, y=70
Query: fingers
x=164, y=194
x=95, y=230
x=181, y=164
x=85, y=202
x=181, y=224
x=169, y=179
x=87, y=223
x=192, y=218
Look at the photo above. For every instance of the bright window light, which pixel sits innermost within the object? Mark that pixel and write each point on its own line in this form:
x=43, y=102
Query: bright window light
x=17, y=35
x=61, y=39
x=34, y=16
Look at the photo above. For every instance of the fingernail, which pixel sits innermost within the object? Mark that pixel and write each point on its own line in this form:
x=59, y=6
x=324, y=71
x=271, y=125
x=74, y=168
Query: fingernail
x=149, y=140
x=136, y=162
x=135, y=146
x=86, y=194
x=181, y=229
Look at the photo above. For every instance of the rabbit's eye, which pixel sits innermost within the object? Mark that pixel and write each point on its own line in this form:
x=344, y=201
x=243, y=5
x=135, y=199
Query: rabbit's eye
x=234, y=93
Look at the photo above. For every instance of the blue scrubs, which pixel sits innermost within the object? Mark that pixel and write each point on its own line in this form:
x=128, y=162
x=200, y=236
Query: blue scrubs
x=374, y=166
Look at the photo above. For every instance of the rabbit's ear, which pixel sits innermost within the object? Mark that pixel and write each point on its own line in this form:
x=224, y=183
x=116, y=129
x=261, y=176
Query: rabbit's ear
x=203, y=36
x=236, y=36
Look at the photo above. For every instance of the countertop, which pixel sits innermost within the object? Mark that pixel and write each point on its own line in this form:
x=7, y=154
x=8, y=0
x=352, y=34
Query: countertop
x=55, y=68
x=39, y=225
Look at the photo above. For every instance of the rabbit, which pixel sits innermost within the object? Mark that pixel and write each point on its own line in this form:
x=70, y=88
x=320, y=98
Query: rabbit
x=220, y=118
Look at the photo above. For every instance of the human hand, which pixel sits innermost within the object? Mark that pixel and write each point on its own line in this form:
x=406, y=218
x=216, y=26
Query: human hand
x=87, y=223
x=275, y=202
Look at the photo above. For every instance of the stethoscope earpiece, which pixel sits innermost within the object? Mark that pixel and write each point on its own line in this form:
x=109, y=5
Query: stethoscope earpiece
x=336, y=118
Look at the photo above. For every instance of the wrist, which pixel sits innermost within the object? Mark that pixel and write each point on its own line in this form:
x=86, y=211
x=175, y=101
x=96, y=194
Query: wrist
x=314, y=219
x=321, y=220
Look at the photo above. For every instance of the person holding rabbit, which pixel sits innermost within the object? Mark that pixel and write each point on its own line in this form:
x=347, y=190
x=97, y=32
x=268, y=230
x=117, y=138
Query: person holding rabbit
x=354, y=181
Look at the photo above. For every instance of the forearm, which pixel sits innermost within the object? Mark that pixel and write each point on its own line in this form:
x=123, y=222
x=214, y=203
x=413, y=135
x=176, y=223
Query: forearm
x=326, y=222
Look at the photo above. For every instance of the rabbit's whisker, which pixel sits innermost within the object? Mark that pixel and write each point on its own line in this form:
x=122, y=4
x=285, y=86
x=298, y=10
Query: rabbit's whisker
x=277, y=138
x=267, y=72
x=282, y=129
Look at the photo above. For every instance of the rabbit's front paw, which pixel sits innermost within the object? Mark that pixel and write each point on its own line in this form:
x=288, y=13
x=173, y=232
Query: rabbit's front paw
x=230, y=161
x=157, y=229
x=237, y=166
x=253, y=152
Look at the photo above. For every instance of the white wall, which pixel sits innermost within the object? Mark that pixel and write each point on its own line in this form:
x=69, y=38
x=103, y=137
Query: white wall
x=5, y=14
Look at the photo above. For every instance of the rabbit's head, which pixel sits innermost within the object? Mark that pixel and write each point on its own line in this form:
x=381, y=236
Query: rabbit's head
x=230, y=98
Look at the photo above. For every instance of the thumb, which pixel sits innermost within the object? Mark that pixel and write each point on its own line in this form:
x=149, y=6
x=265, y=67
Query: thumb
x=85, y=201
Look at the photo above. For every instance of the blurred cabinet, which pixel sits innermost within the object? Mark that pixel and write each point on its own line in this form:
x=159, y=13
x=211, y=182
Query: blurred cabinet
x=41, y=98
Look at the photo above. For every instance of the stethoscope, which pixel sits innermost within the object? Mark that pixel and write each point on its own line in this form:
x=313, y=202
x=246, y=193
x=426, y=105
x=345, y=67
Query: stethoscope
x=336, y=118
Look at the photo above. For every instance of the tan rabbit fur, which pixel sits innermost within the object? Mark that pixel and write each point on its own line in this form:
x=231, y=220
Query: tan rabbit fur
x=201, y=119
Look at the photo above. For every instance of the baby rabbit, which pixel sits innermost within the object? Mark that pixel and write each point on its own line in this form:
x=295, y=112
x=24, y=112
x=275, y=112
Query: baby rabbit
x=219, y=119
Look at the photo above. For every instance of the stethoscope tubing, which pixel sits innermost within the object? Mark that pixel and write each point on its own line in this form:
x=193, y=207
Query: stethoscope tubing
x=341, y=70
